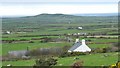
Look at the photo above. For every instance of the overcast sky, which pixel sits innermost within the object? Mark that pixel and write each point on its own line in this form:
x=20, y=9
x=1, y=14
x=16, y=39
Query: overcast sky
x=59, y=0
x=34, y=7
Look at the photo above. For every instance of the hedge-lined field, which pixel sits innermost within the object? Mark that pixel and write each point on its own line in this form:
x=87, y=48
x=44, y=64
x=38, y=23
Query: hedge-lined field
x=89, y=60
x=25, y=31
x=23, y=46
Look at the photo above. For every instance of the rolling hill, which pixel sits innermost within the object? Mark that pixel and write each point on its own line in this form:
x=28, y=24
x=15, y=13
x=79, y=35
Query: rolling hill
x=38, y=21
x=60, y=18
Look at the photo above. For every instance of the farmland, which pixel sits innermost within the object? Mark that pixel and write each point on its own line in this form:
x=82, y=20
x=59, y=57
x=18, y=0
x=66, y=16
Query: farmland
x=58, y=30
x=68, y=61
x=37, y=44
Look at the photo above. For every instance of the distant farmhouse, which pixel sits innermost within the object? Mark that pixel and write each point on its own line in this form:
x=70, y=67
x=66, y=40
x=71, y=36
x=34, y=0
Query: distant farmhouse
x=80, y=28
x=6, y=32
x=79, y=47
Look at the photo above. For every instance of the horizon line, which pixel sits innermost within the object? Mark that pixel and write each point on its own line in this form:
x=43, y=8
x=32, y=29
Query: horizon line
x=56, y=13
x=59, y=2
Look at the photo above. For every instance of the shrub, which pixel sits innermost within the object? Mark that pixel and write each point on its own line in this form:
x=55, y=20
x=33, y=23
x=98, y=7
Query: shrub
x=10, y=41
x=23, y=39
x=68, y=54
x=78, y=64
x=31, y=41
x=77, y=53
x=98, y=50
x=43, y=62
x=65, y=54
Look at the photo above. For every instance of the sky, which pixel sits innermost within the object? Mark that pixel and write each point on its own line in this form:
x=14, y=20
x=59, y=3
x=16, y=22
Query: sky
x=35, y=7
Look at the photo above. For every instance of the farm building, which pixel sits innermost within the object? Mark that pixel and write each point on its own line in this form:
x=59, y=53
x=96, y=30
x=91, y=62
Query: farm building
x=80, y=28
x=6, y=32
x=79, y=47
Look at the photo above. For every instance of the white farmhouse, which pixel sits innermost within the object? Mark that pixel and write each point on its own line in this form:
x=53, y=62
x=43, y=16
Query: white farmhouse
x=8, y=32
x=80, y=28
x=79, y=47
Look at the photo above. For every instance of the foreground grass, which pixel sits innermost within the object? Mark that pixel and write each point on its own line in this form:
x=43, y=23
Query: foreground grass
x=89, y=60
x=20, y=63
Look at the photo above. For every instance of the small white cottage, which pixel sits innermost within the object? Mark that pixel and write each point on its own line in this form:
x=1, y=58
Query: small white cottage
x=79, y=47
x=80, y=28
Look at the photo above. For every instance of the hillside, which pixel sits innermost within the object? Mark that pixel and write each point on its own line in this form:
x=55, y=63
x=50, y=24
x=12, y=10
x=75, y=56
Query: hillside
x=38, y=21
x=60, y=18
x=47, y=36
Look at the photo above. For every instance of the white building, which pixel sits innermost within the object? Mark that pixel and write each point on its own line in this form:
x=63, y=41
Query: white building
x=80, y=28
x=8, y=32
x=79, y=47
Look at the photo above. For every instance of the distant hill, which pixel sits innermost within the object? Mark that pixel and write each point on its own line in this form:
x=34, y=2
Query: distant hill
x=60, y=18
x=39, y=21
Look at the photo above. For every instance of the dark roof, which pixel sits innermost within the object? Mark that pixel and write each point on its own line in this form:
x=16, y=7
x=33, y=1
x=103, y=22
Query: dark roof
x=76, y=45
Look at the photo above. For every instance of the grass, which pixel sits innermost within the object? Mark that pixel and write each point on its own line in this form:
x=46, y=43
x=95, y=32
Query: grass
x=27, y=38
x=99, y=45
x=23, y=46
x=89, y=60
x=104, y=40
x=20, y=63
x=62, y=28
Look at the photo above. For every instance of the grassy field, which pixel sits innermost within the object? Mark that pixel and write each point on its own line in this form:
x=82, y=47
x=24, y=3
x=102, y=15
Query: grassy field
x=33, y=27
x=37, y=44
x=23, y=46
x=20, y=62
x=89, y=60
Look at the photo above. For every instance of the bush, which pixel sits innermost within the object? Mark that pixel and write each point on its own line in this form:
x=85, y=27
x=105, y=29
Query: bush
x=77, y=53
x=68, y=54
x=31, y=41
x=45, y=62
x=98, y=50
x=23, y=39
x=78, y=64
x=65, y=54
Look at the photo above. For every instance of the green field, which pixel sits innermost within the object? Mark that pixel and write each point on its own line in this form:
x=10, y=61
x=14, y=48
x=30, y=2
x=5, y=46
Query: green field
x=89, y=60
x=23, y=46
x=25, y=29
x=37, y=44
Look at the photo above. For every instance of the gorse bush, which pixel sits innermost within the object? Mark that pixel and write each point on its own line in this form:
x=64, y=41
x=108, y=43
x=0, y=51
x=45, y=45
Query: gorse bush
x=69, y=54
x=45, y=63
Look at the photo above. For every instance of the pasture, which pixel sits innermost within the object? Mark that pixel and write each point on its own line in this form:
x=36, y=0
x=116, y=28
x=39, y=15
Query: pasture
x=30, y=29
x=94, y=43
x=89, y=60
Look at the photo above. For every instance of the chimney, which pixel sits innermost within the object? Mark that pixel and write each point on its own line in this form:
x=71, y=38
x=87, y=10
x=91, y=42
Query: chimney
x=83, y=42
x=77, y=40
